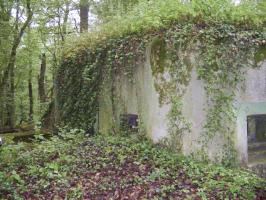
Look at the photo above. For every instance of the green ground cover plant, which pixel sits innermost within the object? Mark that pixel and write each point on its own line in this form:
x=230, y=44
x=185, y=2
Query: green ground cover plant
x=74, y=166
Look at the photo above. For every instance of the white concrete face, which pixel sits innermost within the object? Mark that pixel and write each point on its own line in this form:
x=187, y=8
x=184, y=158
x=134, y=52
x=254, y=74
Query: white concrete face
x=139, y=96
x=135, y=96
x=194, y=102
x=251, y=101
x=153, y=115
x=194, y=109
x=255, y=85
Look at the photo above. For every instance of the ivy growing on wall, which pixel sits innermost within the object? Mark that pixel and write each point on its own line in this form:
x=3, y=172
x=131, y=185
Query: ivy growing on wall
x=223, y=50
x=226, y=53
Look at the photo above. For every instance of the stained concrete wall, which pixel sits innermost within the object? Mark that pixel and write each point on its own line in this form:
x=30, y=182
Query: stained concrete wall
x=137, y=95
x=194, y=105
x=251, y=101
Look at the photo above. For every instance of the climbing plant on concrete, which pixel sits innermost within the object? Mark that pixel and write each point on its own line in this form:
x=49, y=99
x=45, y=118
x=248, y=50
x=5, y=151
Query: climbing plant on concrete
x=226, y=52
x=225, y=45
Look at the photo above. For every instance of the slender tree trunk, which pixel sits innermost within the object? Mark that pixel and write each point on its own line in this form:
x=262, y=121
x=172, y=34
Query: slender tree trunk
x=16, y=42
x=41, y=79
x=11, y=100
x=30, y=90
x=84, y=15
x=30, y=100
x=1, y=109
x=5, y=15
x=64, y=25
x=9, y=74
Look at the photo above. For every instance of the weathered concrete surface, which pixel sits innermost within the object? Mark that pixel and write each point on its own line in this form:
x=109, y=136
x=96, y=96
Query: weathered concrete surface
x=137, y=95
x=194, y=104
x=251, y=101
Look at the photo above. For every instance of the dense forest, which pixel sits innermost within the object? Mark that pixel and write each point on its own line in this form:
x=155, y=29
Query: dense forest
x=59, y=61
x=33, y=34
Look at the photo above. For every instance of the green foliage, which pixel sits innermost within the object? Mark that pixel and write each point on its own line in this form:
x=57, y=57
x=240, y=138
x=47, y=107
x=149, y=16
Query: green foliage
x=224, y=39
x=106, y=9
x=44, y=34
x=71, y=164
x=157, y=14
x=226, y=54
x=79, y=88
x=178, y=126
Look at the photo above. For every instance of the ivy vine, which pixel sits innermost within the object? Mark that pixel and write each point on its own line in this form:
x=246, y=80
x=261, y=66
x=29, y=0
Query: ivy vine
x=225, y=51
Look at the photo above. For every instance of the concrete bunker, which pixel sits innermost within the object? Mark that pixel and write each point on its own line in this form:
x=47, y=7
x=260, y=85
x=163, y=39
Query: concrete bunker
x=143, y=95
x=251, y=120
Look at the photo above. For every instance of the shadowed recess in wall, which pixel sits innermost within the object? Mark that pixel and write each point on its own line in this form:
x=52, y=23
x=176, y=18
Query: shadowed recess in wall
x=256, y=129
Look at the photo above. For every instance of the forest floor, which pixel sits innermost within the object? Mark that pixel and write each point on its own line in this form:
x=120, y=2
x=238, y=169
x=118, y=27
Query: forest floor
x=73, y=166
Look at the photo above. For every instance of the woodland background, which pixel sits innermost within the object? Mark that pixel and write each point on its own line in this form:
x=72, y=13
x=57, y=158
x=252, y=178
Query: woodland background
x=32, y=36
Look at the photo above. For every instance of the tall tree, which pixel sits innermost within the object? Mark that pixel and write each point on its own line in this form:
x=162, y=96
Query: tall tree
x=7, y=80
x=5, y=41
x=41, y=79
x=30, y=87
x=84, y=15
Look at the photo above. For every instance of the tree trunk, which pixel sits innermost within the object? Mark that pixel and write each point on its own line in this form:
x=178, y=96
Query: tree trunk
x=2, y=118
x=16, y=42
x=84, y=15
x=41, y=80
x=30, y=90
x=11, y=118
x=9, y=74
x=30, y=100
x=64, y=25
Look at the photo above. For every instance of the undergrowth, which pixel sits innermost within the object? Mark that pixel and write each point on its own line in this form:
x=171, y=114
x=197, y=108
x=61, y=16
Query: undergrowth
x=74, y=166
